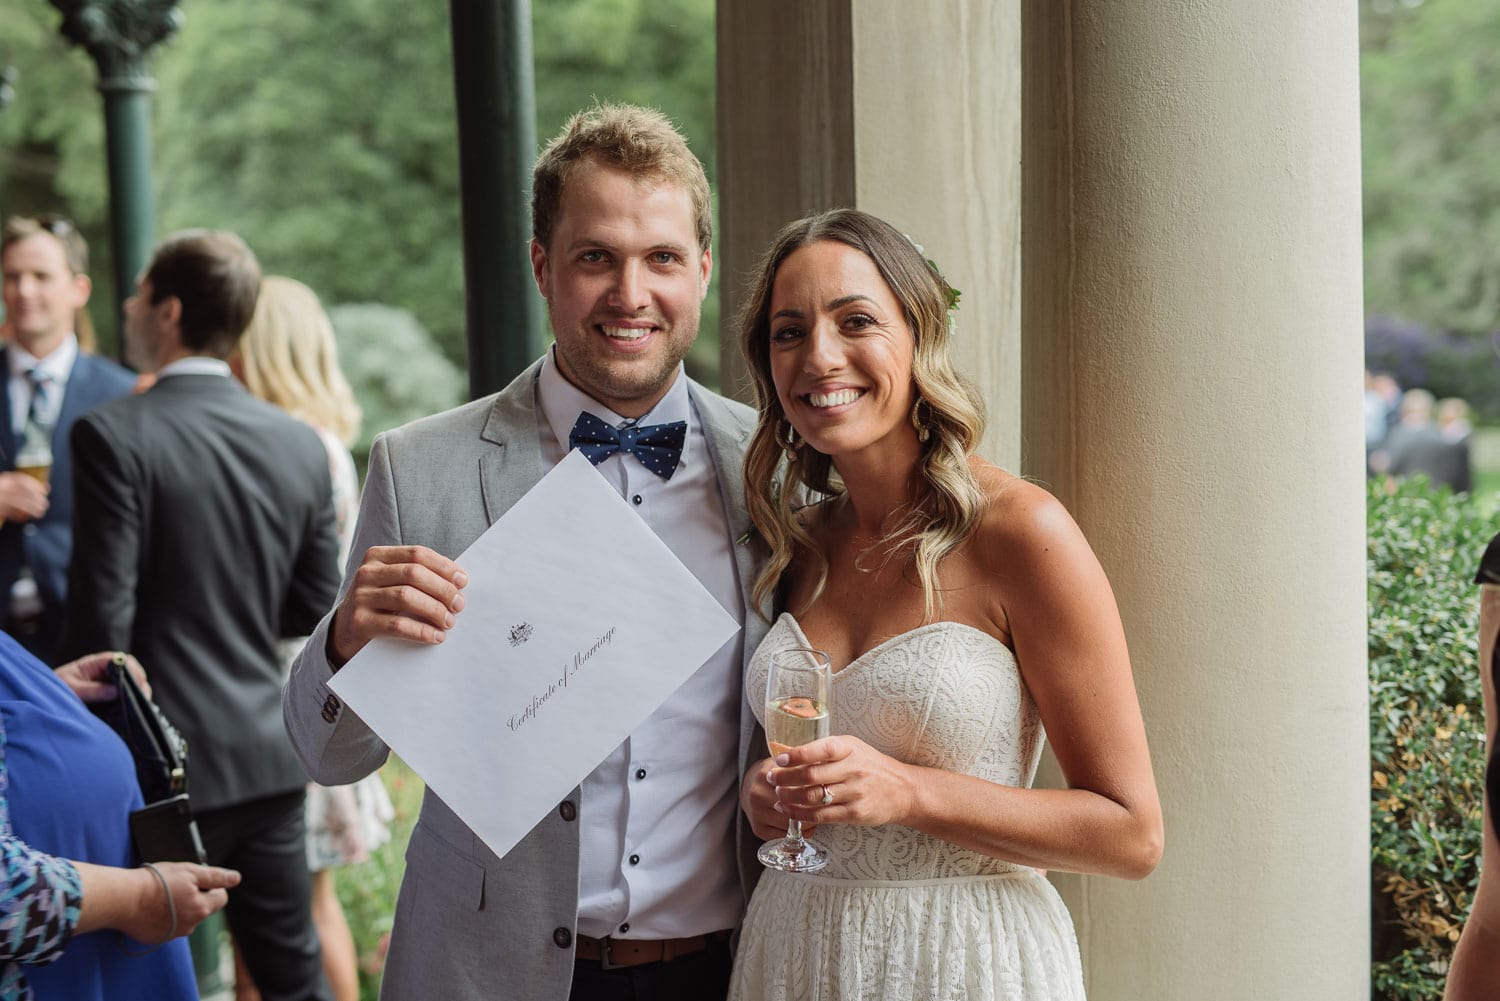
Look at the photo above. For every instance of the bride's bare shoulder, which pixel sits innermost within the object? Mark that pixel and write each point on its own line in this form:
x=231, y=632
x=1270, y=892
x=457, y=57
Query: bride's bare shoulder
x=1020, y=517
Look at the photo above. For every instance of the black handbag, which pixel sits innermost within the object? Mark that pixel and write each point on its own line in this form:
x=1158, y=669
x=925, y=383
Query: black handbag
x=164, y=829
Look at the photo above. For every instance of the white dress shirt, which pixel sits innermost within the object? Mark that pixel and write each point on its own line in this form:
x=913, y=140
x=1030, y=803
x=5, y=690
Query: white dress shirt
x=57, y=366
x=194, y=365
x=659, y=814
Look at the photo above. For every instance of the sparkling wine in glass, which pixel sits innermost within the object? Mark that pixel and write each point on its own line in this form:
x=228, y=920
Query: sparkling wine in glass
x=799, y=695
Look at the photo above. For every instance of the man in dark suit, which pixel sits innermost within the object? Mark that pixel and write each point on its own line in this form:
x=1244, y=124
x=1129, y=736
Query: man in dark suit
x=46, y=380
x=1417, y=445
x=204, y=532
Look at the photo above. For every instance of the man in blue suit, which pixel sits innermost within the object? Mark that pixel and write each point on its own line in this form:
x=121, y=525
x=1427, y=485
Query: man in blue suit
x=46, y=382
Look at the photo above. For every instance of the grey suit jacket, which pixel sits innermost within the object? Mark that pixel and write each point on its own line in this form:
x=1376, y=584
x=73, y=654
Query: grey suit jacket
x=470, y=925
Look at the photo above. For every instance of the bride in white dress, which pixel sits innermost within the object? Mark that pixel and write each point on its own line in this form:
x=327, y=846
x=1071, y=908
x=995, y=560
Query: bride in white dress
x=964, y=612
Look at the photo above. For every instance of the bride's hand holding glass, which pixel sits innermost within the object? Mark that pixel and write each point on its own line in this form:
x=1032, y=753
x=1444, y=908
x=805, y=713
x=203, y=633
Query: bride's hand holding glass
x=799, y=695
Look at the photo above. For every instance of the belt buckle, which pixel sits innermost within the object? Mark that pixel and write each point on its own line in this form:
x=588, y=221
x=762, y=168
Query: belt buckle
x=606, y=947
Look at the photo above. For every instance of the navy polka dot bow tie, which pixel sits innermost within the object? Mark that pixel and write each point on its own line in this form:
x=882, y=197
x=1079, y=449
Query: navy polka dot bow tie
x=657, y=446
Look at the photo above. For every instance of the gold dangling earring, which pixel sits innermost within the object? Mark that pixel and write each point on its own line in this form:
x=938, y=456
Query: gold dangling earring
x=789, y=443
x=923, y=431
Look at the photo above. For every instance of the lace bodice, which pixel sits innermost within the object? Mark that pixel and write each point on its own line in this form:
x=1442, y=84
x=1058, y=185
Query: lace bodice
x=944, y=695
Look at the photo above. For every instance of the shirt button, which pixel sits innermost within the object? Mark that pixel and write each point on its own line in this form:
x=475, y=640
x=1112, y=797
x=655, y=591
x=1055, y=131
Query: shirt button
x=636, y=500
x=640, y=773
x=635, y=860
x=562, y=938
x=624, y=927
x=568, y=811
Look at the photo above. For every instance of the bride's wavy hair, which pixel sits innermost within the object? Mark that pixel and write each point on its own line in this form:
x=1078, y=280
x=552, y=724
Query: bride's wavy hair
x=948, y=503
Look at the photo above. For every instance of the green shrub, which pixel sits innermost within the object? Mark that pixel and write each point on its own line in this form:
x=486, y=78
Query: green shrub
x=1427, y=742
x=397, y=371
x=368, y=890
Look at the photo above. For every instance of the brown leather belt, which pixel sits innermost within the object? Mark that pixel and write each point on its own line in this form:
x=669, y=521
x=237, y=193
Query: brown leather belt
x=613, y=953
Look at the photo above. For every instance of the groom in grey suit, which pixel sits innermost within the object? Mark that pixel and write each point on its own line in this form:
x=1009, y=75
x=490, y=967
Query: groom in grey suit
x=634, y=883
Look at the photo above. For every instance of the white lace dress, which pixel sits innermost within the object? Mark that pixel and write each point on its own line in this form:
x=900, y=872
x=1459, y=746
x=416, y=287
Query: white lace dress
x=897, y=913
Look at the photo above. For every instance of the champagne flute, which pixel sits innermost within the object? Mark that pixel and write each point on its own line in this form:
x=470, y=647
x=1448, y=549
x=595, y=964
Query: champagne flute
x=799, y=695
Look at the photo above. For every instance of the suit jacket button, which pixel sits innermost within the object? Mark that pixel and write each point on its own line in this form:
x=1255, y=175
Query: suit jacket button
x=562, y=938
x=568, y=811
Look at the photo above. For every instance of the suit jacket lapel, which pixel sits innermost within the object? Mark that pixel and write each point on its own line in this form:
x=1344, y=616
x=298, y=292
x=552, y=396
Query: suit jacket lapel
x=10, y=442
x=727, y=438
x=514, y=466
x=76, y=397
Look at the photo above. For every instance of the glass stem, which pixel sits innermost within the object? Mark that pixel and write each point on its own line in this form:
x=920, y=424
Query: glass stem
x=794, y=840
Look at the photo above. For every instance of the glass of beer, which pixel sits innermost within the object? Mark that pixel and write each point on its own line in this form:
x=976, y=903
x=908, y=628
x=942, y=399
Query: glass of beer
x=35, y=455
x=799, y=696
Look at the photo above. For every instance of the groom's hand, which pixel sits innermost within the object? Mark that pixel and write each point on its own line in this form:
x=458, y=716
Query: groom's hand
x=408, y=592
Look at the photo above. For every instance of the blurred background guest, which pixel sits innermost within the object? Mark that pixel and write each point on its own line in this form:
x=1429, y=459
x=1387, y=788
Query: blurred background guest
x=1453, y=419
x=1416, y=445
x=1382, y=409
x=48, y=376
x=288, y=357
x=77, y=916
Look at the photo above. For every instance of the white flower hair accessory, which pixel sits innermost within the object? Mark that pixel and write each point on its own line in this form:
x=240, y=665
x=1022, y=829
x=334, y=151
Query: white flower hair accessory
x=952, y=294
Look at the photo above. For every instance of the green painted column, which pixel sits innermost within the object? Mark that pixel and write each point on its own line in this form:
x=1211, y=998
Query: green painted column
x=119, y=35
x=492, y=74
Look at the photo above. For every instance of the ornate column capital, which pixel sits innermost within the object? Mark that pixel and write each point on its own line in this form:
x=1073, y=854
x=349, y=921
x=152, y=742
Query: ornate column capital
x=119, y=34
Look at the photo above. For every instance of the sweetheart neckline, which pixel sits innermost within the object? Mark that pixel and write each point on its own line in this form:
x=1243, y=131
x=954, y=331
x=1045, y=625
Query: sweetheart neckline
x=797, y=627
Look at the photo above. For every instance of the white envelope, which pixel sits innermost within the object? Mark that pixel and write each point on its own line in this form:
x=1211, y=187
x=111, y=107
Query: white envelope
x=578, y=623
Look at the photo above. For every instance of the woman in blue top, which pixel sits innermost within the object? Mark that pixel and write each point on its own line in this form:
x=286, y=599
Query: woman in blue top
x=77, y=920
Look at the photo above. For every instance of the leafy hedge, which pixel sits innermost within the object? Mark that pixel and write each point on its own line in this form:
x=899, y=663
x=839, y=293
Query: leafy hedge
x=1427, y=741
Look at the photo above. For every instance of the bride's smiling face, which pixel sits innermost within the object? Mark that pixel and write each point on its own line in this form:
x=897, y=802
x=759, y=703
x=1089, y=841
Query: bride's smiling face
x=841, y=351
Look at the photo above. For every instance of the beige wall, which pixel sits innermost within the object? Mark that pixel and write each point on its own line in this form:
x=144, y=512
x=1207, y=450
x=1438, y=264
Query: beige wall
x=1192, y=368
x=909, y=111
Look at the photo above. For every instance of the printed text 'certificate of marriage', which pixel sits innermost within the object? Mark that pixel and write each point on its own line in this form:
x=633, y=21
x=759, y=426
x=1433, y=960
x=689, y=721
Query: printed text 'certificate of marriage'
x=578, y=623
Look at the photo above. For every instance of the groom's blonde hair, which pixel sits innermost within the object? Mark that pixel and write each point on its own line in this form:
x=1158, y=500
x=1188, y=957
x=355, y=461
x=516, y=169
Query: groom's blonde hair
x=640, y=141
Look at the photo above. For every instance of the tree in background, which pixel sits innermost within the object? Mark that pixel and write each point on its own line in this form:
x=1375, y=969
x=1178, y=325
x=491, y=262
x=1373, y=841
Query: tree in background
x=324, y=132
x=1431, y=135
x=394, y=368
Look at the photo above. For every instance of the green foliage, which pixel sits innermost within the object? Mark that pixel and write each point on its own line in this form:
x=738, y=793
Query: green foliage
x=1427, y=741
x=324, y=132
x=1431, y=134
x=368, y=891
x=52, y=136
x=395, y=370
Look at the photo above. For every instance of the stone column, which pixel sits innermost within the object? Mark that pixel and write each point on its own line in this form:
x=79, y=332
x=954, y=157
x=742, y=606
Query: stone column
x=909, y=111
x=1192, y=372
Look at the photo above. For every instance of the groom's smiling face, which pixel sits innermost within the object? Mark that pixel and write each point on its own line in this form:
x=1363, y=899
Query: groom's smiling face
x=624, y=279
